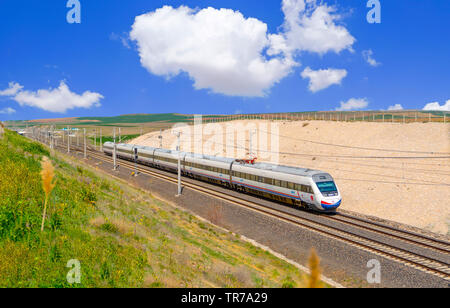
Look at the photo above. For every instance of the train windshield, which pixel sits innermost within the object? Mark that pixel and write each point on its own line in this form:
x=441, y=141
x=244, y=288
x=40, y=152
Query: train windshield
x=326, y=187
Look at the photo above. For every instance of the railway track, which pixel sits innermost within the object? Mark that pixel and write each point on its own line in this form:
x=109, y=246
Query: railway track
x=408, y=257
x=403, y=235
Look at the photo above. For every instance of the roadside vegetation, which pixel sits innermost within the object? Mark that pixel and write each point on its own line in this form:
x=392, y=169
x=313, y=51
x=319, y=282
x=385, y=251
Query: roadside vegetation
x=122, y=237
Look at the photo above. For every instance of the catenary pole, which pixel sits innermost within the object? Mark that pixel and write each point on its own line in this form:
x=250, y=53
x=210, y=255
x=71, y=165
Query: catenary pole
x=114, y=150
x=179, y=164
x=84, y=139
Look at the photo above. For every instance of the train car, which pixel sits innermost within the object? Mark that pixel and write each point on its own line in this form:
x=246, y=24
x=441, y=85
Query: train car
x=211, y=168
x=125, y=151
x=308, y=188
x=146, y=155
x=108, y=148
x=167, y=159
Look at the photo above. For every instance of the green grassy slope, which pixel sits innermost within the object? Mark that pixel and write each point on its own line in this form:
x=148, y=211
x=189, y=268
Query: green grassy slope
x=123, y=237
x=136, y=118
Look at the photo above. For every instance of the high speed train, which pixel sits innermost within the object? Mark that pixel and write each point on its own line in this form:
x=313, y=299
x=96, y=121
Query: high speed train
x=307, y=188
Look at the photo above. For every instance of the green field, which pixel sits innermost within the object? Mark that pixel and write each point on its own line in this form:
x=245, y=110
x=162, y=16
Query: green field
x=122, y=236
x=137, y=118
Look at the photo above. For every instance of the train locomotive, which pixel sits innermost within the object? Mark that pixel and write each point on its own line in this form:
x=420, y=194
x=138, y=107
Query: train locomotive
x=306, y=188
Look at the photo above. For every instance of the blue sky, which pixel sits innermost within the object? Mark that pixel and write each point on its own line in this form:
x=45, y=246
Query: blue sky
x=39, y=49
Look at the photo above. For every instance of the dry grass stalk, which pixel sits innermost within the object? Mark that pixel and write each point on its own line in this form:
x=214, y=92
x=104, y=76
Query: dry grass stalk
x=47, y=175
x=314, y=267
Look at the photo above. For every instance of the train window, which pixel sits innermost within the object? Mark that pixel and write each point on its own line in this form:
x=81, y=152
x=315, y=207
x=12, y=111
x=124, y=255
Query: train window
x=290, y=185
x=277, y=183
x=284, y=184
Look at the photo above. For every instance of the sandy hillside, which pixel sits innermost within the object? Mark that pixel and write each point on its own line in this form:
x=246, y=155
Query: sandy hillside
x=394, y=171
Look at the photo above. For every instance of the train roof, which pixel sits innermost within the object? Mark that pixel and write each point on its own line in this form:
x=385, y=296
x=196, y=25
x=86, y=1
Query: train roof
x=283, y=169
x=210, y=157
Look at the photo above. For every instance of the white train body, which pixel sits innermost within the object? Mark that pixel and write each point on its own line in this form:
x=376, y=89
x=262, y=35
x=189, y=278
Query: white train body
x=304, y=187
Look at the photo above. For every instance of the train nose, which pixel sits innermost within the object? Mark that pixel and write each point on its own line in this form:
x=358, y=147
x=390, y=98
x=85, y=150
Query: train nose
x=330, y=205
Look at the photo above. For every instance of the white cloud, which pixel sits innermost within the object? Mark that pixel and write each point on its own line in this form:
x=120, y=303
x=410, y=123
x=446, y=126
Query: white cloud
x=322, y=79
x=59, y=99
x=395, y=107
x=225, y=52
x=437, y=107
x=13, y=88
x=312, y=27
x=368, y=56
x=7, y=110
x=353, y=104
x=220, y=49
